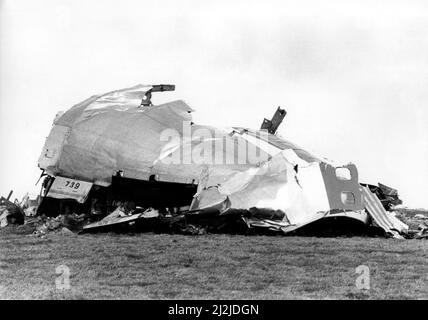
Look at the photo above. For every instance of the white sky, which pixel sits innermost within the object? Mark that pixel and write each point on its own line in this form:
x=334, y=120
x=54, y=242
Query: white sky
x=353, y=76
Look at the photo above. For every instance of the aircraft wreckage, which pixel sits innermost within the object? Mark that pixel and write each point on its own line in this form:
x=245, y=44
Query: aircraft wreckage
x=124, y=160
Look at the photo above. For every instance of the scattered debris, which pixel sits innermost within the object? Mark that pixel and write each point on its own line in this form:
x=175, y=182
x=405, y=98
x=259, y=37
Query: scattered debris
x=116, y=219
x=421, y=216
x=422, y=234
x=49, y=225
x=30, y=205
x=10, y=212
x=388, y=196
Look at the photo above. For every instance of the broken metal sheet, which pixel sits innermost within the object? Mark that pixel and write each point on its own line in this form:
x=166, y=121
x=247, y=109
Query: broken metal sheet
x=108, y=141
x=150, y=214
x=387, y=221
x=114, y=134
x=278, y=142
x=343, y=190
x=266, y=223
x=66, y=188
x=119, y=100
x=51, y=152
x=310, y=179
x=110, y=133
x=107, y=133
x=388, y=190
x=114, y=219
x=272, y=125
x=274, y=185
x=387, y=195
x=10, y=212
x=300, y=192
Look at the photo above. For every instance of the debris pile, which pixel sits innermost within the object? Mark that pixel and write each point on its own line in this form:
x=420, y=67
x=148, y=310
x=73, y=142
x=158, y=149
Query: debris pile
x=417, y=220
x=10, y=212
x=119, y=162
x=381, y=218
x=126, y=217
x=387, y=196
x=30, y=205
x=53, y=225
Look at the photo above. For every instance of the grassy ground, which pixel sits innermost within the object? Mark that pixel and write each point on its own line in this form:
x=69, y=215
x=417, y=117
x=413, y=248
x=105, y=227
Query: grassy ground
x=152, y=266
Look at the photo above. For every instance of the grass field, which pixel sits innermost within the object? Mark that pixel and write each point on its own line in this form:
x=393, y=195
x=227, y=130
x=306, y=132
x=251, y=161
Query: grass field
x=161, y=266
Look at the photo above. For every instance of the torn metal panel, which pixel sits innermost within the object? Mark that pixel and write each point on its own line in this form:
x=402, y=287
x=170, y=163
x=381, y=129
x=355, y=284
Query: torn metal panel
x=51, y=152
x=66, y=188
x=389, y=223
x=274, y=185
x=10, y=212
x=388, y=190
x=387, y=195
x=279, y=143
x=289, y=184
x=102, y=141
x=343, y=190
x=110, y=133
x=114, y=219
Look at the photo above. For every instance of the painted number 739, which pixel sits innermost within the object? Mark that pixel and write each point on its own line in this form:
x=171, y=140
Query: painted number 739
x=72, y=184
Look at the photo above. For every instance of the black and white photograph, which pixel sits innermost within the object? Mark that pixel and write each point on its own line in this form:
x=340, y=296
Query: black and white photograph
x=189, y=151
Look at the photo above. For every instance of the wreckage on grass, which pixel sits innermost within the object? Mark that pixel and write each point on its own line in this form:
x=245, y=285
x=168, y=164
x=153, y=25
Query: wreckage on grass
x=10, y=212
x=118, y=149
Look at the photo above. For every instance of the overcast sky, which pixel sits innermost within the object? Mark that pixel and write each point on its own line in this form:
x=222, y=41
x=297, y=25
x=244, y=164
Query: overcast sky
x=353, y=76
